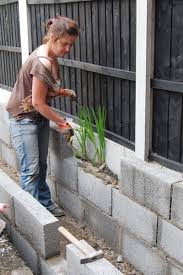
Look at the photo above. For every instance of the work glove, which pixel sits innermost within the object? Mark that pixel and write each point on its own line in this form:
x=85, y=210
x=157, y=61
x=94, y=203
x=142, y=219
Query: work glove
x=71, y=93
x=66, y=130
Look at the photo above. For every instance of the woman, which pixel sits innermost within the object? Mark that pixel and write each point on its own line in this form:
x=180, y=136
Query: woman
x=39, y=81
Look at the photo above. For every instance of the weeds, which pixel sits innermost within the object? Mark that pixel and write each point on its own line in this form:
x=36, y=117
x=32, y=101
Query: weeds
x=87, y=117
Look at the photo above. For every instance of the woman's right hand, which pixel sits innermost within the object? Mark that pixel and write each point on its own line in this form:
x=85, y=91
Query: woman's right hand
x=68, y=92
x=66, y=130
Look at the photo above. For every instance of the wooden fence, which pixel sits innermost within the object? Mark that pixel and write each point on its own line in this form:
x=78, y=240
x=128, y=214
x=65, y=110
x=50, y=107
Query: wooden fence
x=168, y=97
x=10, y=48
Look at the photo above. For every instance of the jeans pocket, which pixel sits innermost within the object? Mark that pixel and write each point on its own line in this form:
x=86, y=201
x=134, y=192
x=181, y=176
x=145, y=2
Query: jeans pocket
x=25, y=121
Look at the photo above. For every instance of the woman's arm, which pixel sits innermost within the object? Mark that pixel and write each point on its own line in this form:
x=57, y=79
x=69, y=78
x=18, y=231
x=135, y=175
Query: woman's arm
x=39, y=93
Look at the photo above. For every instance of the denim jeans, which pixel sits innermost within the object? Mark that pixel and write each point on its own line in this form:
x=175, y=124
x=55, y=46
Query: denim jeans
x=30, y=139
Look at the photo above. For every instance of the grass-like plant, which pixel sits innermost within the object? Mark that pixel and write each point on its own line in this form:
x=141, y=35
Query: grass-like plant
x=88, y=117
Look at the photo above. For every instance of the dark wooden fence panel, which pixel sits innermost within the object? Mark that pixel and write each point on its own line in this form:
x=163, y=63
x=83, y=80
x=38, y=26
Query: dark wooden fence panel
x=10, y=51
x=107, y=38
x=167, y=113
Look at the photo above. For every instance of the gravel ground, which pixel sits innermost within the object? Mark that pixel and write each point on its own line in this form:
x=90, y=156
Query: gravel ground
x=10, y=260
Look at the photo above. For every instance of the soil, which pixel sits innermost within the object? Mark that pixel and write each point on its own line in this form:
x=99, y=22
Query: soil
x=75, y=227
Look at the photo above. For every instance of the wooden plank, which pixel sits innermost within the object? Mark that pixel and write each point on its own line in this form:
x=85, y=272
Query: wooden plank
x=166, y=162
x=82, y=24
x=31, y=2
x=125, y=64
x=89, y=40
x=6, y=2
x=95, y=24
x=162, y=70
x=33, y=27
x=72, y=70
x=132, y=49
x=117, y=64
x=175, y=102
x=77, y=56
x=113, y=72
x=167, y=85
x=110, y=54
x=10, y=49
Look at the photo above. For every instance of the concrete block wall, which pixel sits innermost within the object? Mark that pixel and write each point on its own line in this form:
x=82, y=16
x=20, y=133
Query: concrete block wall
x=143, y=220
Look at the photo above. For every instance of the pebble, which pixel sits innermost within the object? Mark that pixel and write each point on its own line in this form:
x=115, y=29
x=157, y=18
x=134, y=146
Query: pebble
x=119, y=259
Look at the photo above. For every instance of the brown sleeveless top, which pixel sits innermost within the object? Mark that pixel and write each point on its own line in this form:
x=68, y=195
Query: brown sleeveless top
x=20, y=102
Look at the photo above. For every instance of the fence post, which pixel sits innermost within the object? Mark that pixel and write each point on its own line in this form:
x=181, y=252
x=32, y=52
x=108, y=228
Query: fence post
x=24, y=33
x=144, y=71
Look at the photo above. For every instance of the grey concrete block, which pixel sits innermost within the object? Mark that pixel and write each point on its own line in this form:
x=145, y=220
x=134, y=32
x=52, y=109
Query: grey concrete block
x=25, y=249
x=22, y=271
x=148, y=183
x=8, y=189
x=99, y=267
x=94, y=190
x=8, y=154
x=54, y=266
x=103, y=224
x=52, y=185
x=147, y=260
x=37, y=224
x=170, y=240
x=139, y=220
x=174, y=268
x=5, y=133
x=4, y=117
x=177, y=204
x=68, y=173
x=70, y=201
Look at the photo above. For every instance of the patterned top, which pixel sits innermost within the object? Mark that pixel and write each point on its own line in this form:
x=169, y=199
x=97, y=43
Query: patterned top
x=20, y=102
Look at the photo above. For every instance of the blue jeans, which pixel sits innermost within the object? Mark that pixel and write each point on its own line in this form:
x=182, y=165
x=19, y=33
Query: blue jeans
x=30, y=139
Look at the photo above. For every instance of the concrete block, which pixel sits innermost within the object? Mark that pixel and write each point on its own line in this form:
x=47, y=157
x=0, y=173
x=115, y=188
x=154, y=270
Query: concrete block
x=177, y=204
x=174, y=268
x=25, y=249
x=68, y=173
x=104, y=225
x=8, y=154
x=22, y=271
x=139, y=220
x=94, y=190
x=71, y=202
x=5, y=133
x=99, y=267
x=37, y=224
x=170, y=240
x=52, y=185
x=148, y=183
x=8, y=189
x=53, y=266
x=148, y=260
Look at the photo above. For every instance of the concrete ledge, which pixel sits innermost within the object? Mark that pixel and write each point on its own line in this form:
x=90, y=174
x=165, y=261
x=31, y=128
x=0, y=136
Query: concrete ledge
x=148, y=183
x=174, y=268
x=104, y=225
x=54, y=266
x=8, y=154
x=137, y=219
x=37, y=224
x=177, y=204
x=148, y=260
x=25, y=249
x=170, y=240
x=5, y=134
x=95, y=191
x=8, y=189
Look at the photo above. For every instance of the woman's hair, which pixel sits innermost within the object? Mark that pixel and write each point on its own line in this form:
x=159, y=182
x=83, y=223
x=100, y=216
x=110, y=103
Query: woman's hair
x=60, y=26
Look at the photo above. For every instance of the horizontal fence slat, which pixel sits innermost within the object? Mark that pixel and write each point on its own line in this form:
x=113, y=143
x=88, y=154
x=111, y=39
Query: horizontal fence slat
x=34, y=2
x=10, y=49
x=113, y=72
x=6, y=87
x=177, y=166
x=167, y=85
x=6, y=2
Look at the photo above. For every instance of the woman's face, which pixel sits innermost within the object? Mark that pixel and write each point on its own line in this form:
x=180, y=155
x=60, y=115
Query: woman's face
x=62, y=46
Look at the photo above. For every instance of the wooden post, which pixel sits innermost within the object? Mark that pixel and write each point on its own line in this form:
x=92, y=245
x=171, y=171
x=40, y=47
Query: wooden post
x=24, y=33
x=144, y=72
